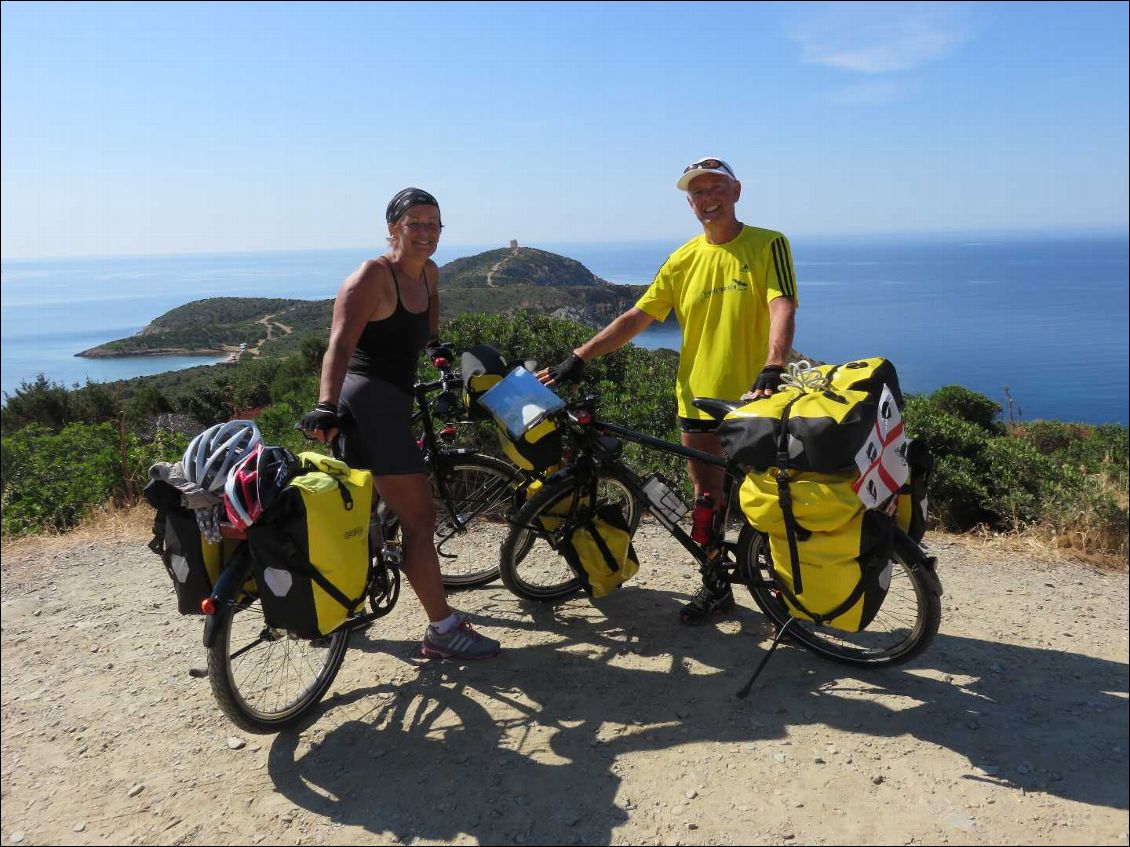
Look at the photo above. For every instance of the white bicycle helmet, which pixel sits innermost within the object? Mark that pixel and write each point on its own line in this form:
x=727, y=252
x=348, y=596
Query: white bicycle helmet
x=211, y=454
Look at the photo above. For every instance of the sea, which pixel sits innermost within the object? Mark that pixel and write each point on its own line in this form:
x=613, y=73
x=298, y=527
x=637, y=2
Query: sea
x=1038, y=324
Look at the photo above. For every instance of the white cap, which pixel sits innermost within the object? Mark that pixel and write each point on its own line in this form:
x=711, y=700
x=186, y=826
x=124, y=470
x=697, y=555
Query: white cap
x=707, y=165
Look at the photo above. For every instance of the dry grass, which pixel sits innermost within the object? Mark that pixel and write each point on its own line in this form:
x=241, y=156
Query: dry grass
x=1044, y=543
x=132, y=523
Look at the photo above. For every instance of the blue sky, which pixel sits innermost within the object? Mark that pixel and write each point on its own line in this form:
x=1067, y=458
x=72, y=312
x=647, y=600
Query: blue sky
x=170, y=128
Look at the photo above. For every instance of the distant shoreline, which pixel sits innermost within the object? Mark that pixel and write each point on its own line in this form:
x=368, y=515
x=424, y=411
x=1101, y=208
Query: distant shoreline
x=99, y=353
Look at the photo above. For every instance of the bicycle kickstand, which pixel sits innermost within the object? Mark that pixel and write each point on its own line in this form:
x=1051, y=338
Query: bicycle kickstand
x=776, y=640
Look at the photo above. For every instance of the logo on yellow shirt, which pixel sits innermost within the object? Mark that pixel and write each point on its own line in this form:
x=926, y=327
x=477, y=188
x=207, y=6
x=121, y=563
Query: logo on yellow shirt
x=735, y=285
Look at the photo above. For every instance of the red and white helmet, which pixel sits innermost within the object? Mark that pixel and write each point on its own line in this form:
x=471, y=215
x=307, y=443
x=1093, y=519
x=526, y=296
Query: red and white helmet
x=241, y=491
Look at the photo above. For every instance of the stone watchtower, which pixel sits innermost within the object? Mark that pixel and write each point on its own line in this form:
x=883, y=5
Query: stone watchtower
x=513, y=243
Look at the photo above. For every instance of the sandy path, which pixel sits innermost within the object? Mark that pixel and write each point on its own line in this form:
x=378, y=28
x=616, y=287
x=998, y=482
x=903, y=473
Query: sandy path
x=598, y=725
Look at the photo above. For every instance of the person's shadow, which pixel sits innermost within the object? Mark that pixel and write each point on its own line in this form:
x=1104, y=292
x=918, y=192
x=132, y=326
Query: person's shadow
x=426, y=759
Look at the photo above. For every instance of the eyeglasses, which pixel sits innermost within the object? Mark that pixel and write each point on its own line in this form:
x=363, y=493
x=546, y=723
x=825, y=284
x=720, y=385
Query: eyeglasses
x=421, y=226
x=710, y=165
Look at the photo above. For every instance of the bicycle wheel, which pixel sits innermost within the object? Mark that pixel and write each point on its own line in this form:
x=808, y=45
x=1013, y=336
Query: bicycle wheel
x=469, y=531
x=263, y=679
x=903, y=628
x=529, y=566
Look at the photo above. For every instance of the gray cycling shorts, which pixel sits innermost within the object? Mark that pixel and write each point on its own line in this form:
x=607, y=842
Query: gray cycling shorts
x=376, y=431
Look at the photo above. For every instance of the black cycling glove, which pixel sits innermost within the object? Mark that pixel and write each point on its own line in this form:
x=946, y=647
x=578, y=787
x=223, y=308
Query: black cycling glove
x=323, y=417
x=568, y=371
x=769, y=378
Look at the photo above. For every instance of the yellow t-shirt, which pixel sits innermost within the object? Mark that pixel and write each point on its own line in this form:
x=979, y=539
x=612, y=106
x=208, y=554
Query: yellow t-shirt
x=721, y=294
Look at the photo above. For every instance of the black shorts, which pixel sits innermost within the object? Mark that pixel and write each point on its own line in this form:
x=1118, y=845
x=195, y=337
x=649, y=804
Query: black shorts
x=698, y=425
x=376, y=430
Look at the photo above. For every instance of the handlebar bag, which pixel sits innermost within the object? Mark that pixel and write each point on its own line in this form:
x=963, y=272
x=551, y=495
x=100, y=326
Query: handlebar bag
x=311, y=547
x=600, y=552
x=483, y=368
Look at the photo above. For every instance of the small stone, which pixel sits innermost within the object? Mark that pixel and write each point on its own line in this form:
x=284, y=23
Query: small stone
x=779, y=758
x=819, y=761
x=80, y=826
x=692, y=825
x=16, y=837
x=878, y=779
x=136, y=789
x=236, y=743
x=691, y=794
x=961, y=822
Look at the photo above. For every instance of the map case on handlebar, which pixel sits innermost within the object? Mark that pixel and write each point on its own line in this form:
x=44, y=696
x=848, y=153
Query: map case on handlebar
x=519, y=402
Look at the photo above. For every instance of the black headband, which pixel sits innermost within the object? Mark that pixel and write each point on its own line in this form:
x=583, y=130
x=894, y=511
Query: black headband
x=405, y=199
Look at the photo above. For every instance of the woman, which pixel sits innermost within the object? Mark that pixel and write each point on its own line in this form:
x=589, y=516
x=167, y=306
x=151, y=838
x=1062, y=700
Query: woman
x=384, y=316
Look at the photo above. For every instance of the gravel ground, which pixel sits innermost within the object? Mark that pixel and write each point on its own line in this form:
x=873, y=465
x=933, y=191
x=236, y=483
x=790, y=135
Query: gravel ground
x=606, y=723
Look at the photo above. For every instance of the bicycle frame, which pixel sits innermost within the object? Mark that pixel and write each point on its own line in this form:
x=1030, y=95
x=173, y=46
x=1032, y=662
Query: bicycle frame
x=593, y=454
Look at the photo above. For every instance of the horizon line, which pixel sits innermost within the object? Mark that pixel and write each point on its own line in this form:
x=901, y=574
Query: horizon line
x=1122, y=230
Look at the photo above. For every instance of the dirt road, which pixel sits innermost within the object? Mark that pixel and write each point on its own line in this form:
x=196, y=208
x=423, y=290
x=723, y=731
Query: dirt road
x=609, y=724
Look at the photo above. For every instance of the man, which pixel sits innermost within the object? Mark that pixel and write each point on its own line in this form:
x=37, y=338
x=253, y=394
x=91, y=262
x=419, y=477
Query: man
x=733, y=290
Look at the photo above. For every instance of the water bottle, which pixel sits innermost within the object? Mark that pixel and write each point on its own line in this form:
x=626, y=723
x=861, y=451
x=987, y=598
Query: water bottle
x=703, y=518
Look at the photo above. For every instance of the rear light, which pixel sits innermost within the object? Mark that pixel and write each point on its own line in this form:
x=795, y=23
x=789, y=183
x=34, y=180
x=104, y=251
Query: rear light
x=208, y=606
x=584, y=418
x=420, y=443
x=440, y=362
x=448, y=432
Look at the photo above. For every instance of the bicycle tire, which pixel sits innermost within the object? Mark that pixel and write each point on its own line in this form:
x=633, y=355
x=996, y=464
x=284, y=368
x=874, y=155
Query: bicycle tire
x=530, y=568
x=903, y=628
x=249, y=677
x=481, y=489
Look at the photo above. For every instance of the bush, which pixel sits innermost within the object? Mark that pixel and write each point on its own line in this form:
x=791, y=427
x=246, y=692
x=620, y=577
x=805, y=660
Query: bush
x=40, y=402
x=51, y=480
x=969, y=406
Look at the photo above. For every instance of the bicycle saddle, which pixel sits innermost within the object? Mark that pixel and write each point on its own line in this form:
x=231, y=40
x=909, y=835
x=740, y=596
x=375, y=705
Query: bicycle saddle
x=717, y=409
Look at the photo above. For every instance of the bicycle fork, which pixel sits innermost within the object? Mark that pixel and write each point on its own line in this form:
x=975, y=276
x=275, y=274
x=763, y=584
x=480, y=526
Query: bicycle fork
x=225, y=592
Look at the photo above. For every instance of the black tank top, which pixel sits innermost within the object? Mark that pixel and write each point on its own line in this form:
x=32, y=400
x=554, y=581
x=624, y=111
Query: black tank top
x=390, y=348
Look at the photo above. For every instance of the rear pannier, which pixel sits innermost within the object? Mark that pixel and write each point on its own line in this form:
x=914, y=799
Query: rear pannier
x=311, y=547
x=191, y=560
x=827, y=454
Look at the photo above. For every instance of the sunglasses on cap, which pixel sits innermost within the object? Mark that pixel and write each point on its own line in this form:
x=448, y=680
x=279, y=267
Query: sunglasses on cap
x=710, y=165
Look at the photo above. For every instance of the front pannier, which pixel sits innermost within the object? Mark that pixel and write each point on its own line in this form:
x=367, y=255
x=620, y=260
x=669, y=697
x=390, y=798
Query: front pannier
x=600, y=551
x=311, y=547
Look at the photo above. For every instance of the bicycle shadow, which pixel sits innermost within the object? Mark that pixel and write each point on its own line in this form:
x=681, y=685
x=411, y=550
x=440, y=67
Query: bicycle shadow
x=426, y=759
x=1016, y=713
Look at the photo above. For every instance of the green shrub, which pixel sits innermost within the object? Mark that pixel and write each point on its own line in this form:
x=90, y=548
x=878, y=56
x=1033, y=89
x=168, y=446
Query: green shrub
x=969, y=406
x=51, y=480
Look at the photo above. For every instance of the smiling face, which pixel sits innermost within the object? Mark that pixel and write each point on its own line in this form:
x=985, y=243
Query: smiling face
x=417, y=232
x=712, y=198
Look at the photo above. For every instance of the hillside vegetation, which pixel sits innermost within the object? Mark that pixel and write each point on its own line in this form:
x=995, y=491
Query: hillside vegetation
x=65, y=452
